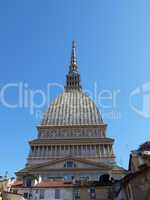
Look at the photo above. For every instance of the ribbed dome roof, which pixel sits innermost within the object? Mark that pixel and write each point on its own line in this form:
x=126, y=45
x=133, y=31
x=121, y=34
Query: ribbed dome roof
x=72, y=108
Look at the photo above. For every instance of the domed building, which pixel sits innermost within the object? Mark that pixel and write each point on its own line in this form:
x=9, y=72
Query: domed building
x=72, y=141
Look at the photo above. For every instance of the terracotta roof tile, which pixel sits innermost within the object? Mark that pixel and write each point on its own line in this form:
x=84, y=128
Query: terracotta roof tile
x=53, y=184
x=17, y=184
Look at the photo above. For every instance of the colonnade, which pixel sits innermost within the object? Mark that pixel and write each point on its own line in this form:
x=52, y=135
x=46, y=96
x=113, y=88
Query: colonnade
x=100, y=150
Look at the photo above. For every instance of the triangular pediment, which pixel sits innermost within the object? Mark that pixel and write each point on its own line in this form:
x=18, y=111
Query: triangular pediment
x=78, y=164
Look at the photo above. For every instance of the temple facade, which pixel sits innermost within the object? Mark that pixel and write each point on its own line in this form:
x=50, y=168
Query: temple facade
x=72, y=141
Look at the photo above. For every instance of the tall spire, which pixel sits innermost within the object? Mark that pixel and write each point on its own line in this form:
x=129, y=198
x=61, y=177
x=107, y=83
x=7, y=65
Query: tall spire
x=73, y=77
x=73, y=64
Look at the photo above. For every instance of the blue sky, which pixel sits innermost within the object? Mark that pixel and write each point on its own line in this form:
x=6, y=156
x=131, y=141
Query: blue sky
x=113, y=45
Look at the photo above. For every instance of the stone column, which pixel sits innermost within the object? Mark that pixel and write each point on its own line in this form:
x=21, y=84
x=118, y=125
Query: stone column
x=55, y=151
x=65, y=150
x=42, y=151
x=60, y=150
x=77, y=150
x=86, y=149
x=68, y=149
x=95, y=152
x=104, y=150
x=90, y=150
x=107, y=151
x=111, y=150
x=47, y=151
x=81, y=150
x=50, y=151
x=73, y=149
x=70, y=146
x=38, y=151
x=99, y=150
x=32, y=149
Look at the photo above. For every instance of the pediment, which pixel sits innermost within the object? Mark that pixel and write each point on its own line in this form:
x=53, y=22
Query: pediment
x=78, y=164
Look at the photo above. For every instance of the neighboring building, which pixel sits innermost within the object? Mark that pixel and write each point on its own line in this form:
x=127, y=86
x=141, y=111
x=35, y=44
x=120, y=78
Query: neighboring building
x=136, y=185
x=5, y=184
x=5, y=188
x=140, y=157
x=72, y=143
x=11, y=196
x=46, y=190
x=54, y=190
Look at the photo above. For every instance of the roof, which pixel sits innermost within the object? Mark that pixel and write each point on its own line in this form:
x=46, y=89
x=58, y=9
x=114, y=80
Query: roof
x=17, y=184
x=145, y=146
x=95, y=165
x=73, y=107
x=45, y=184
x=53, y=184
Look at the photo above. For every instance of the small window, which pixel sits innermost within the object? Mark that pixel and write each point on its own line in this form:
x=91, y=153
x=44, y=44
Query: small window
x=77, y=194
x=42, y=192
x=57, y=194
x=25, y=195
x=36, y=191
x=69, y=164
x=29, y=183
x=92, y=190
x=93, y=193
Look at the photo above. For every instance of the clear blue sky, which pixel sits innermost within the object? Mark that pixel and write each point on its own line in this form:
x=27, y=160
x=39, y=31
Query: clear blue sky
x=113, y=40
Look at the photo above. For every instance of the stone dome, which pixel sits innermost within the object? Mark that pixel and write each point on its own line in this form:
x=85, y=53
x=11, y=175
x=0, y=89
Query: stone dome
x=73, y=107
